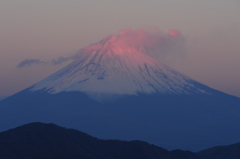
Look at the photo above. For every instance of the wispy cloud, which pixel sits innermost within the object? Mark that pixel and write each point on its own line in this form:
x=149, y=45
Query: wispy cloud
x=61, y=60
x=30, y=62
x=152, y=42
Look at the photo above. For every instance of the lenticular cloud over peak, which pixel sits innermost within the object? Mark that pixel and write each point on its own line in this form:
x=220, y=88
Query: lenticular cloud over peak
x=152, y=42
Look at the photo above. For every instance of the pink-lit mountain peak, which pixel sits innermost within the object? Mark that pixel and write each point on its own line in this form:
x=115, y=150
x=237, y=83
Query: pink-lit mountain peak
x=133, y=41
x=118, y=65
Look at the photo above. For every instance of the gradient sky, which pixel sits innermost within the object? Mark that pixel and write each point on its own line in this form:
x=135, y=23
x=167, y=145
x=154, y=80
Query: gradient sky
x=48, y=29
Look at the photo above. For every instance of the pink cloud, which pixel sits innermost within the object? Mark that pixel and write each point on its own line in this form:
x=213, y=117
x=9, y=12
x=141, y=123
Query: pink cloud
x=152, y=42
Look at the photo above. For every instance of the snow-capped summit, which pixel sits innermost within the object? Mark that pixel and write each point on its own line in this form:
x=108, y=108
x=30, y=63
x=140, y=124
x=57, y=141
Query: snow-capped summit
x=119, y=67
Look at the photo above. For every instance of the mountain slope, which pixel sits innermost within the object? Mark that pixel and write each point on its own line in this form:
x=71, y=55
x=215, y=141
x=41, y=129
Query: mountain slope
x=114, y=91
x=3, y=97
x=45, y=141
x=105, y=68
x=189, y=122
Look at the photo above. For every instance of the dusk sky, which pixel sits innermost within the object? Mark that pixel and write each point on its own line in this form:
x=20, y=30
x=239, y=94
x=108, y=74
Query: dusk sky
x=49, y=29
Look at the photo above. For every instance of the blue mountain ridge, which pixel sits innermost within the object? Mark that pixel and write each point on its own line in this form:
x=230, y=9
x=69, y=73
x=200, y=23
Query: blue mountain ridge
x=189, y=122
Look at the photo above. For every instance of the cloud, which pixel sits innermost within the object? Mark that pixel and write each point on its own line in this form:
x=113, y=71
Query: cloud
x=153, y=42
x=30, y=62
x=61, y=60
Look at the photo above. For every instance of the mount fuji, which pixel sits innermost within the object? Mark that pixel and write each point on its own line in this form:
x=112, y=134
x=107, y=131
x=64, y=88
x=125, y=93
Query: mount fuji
x=113, y=90
x=107, y=68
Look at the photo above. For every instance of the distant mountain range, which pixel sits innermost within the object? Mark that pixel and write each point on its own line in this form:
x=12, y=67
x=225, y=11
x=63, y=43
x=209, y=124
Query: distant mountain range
x=49, y=141
x=114, y=91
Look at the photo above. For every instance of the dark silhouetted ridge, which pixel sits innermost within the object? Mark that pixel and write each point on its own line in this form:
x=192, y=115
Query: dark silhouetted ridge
x=49, y=141
x=221, y=152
